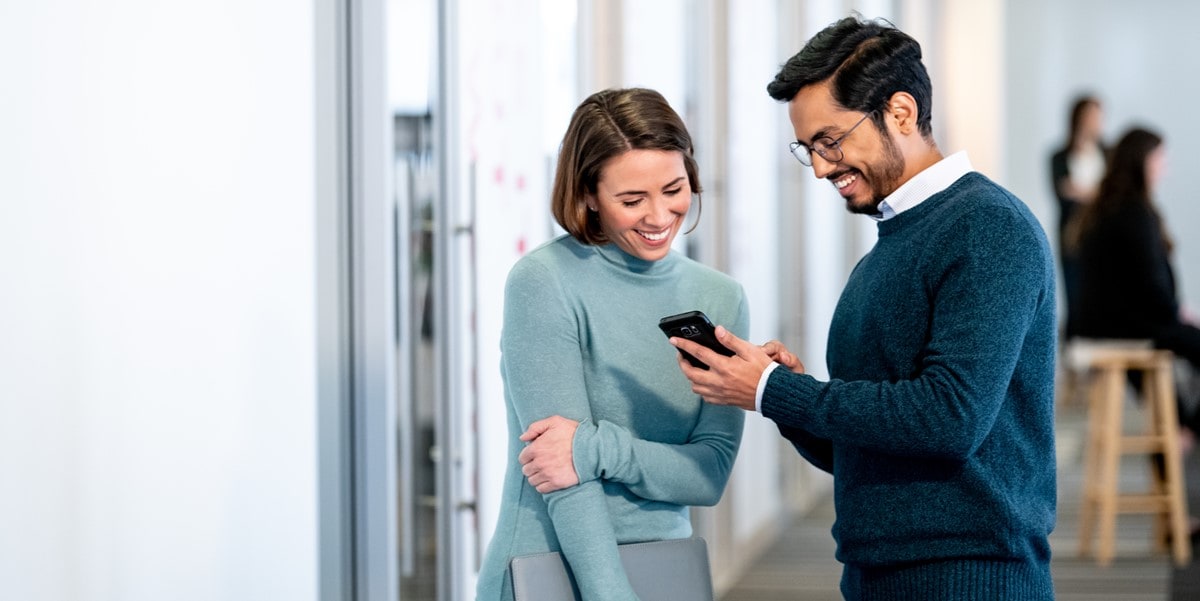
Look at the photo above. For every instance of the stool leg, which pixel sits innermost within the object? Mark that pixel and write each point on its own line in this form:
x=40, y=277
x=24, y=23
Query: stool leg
x=1167, y=421
x=1112, y=397
x=1091, y=464
x=1066, y=386
x=1158, y=427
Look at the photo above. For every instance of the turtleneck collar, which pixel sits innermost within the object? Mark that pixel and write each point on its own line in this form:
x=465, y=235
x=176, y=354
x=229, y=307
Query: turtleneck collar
x=614, y=255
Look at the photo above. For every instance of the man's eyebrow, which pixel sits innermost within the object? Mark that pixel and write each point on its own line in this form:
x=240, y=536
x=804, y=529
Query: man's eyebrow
x=817, y=135
x=824, y=132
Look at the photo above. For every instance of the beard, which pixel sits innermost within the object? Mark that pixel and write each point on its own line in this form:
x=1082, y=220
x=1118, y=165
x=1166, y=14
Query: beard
x=884, y=177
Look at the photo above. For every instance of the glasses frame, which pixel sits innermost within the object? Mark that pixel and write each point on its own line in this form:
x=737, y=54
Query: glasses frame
x=828, y=148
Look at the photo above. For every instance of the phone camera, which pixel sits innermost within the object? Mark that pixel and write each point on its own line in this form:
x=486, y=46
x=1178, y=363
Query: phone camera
x=690, y=331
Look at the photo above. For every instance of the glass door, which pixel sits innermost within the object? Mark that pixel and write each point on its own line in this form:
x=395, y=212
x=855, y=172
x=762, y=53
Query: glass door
x=435, y=513
x=416, y=192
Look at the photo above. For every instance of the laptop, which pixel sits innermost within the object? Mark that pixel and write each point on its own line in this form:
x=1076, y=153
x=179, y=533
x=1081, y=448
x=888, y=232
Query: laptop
x=669, y=570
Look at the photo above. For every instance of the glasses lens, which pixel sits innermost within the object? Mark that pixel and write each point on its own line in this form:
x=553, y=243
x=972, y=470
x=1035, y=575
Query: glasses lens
x=830, y=150
x=801, y=153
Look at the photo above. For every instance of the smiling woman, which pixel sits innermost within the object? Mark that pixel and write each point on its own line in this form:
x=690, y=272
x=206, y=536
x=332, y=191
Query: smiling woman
x=608, y=444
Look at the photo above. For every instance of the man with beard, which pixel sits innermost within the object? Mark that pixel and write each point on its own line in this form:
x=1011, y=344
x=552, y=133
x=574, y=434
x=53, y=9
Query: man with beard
x=937, y=423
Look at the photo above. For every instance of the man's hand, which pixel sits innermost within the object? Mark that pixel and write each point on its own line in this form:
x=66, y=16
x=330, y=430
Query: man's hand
x=728, y=380
x=546, y=461
x=779, y=354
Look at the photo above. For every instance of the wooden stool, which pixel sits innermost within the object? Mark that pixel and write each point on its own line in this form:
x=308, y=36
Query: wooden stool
x=1075, y=365
x=1106, y=443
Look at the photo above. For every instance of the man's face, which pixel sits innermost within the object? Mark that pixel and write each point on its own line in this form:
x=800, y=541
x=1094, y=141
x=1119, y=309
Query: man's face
x=872, y=165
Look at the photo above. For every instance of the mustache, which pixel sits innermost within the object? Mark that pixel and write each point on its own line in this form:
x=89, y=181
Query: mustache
x=841, y=173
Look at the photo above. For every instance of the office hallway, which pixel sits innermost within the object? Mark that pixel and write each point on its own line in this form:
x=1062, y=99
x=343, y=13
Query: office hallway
x=800, y=565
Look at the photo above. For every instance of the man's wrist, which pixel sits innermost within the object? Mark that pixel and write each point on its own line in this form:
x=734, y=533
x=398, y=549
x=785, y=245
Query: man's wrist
x=762, y=386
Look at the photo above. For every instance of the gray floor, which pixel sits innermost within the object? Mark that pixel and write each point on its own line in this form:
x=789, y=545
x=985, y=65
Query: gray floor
x=800, y=566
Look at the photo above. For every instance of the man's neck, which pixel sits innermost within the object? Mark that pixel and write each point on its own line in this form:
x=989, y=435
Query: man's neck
x=917, y=162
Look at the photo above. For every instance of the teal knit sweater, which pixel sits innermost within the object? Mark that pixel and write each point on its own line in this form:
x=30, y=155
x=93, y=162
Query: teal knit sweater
x=581, y=340
x=938, y=421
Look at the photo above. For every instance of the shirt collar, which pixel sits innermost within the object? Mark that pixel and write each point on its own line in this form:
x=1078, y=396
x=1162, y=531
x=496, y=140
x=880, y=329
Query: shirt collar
x=933, y=179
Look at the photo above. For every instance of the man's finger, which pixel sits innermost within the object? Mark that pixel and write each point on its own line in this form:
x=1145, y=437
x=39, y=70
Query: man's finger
x=695, y=349
x=740, y=347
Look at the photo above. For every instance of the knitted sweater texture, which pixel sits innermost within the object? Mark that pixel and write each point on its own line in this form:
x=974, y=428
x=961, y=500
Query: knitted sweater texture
x=581, y=340
x=938, y=421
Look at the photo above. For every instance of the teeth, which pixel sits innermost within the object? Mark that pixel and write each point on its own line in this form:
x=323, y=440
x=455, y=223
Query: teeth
x=654, y=237
x=845, y=181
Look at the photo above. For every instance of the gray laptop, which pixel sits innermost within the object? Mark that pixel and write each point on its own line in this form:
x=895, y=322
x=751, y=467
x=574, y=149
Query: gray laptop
x=670, y=570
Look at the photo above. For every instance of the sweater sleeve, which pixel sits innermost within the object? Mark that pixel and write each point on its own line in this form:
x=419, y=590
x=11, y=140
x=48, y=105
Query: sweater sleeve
x=693, y=473
x=986, y=280
x=818, y=451
x=543, y=368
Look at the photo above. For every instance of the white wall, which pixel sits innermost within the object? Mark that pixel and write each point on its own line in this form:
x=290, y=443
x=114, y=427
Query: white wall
x=1135, y=56
x=753, y=198
x=823, y=227
x=157, y=383
x=504, y=145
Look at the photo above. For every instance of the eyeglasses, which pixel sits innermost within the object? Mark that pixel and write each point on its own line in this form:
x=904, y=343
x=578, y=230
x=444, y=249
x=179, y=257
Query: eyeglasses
x=829, y=148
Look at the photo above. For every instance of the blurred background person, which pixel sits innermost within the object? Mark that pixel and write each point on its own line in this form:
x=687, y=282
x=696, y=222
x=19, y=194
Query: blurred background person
x=1127, y=284
x=1075, y=171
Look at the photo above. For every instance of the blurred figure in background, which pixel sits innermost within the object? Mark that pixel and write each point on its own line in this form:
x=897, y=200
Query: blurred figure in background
x=1075, y=171
x=1126, y=282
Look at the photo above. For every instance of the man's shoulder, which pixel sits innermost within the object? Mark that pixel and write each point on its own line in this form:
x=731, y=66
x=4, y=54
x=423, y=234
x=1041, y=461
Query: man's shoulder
x=975, y=191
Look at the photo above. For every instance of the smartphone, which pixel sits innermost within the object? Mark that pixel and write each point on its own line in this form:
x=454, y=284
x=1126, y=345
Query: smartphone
x=695, y=326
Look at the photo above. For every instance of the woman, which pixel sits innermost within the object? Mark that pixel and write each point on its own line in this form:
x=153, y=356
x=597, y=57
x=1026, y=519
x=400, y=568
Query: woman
x=619, y=445
x=1075, y=171
x=1127, y=284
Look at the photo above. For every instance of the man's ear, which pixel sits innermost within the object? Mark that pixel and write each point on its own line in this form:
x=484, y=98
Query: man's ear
x=902, y=110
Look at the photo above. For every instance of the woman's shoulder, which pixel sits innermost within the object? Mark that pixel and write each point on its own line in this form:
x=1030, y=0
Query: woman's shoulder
x=552, y=253
x=694, y=269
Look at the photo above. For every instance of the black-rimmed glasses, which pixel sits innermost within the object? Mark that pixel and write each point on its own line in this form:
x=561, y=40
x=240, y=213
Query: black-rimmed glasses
x=829, y=148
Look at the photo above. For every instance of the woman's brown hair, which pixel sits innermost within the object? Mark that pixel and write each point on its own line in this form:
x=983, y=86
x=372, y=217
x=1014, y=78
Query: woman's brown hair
x=607, y=124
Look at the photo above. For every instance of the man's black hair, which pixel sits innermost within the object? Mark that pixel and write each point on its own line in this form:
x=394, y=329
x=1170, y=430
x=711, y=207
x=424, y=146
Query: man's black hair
x=865, y=62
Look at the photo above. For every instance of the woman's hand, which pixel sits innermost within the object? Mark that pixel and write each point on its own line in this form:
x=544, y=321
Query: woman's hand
x=547, y=461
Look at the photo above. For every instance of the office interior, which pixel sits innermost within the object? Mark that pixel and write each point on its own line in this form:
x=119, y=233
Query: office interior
x=253, y=256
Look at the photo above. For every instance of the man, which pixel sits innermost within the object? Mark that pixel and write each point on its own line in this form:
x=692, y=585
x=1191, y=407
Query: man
x=937, y=424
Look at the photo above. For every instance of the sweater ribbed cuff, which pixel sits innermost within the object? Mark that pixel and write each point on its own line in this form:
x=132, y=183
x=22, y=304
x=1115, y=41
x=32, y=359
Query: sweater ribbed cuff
x=584, y=452
x=601, y=451
x=788, y=397
x=978, y=580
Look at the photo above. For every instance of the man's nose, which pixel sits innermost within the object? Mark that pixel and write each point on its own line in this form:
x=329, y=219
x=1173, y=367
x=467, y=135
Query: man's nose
x=821, y=167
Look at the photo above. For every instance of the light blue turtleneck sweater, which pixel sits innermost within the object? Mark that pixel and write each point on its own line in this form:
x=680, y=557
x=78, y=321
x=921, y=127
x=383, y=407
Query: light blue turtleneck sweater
x=581, y=340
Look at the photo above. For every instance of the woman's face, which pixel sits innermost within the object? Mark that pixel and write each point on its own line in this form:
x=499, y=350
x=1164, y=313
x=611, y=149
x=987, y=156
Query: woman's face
x=1092, y=125
x=642, y=198
x=1156, y=167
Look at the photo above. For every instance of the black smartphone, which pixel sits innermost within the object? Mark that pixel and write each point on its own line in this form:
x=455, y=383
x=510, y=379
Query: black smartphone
x=695, y=326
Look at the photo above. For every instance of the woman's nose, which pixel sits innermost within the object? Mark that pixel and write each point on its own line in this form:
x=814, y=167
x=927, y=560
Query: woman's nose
x=660, y=212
